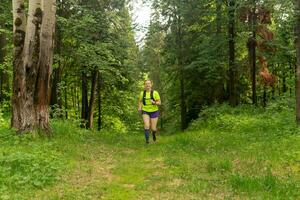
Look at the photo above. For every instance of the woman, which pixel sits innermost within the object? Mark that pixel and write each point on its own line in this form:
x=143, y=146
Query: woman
x=149, y=100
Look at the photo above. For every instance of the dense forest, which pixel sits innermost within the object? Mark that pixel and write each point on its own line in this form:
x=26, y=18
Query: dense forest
x=197, y=54
x=76, y=66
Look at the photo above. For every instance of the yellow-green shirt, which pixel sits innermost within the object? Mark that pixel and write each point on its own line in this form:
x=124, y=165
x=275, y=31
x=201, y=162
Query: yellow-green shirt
x=149, y=107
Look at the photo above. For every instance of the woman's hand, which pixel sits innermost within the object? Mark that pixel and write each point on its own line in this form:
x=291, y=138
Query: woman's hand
x=153, y=102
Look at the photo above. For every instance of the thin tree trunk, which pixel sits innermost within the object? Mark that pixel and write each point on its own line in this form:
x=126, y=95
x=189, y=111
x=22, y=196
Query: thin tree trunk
x=253, y=54
x=78, y=102
x=182, y=76
x=233, y=96
x=221, y=90
x=284, y=87
x=297, y=41
x=84, y=100
x=56, y=97
x=92, y=99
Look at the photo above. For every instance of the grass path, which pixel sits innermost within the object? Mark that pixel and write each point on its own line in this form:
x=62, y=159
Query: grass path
x=237, y=155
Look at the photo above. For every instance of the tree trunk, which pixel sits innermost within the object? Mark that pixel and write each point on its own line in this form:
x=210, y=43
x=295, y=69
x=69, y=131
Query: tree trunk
x=253, y=54
x=92, y=99
x=284, y=87
x=19, y=19
x=33, y=59
x=84, y=100
x=182, y=76
x=220, y=95
x=233, y=95
x=297, y=41
x=56, y=97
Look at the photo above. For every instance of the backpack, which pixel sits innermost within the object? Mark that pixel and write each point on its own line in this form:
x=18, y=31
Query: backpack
x=144, y=96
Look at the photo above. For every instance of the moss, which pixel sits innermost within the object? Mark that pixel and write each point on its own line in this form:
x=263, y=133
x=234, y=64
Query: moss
x=22, y=6
x=38, y=13
x=18, y=21
x=19, y=38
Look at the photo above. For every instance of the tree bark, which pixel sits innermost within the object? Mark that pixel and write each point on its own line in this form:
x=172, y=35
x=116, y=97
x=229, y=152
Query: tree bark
x=19, y=31
x=33, y=57
x=92, y=99
x=45, y=63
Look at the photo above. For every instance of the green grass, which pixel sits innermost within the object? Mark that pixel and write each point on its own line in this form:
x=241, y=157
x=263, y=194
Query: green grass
x=241, y=153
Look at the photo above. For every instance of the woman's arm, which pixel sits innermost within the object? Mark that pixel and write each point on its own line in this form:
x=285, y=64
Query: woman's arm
x=158, y=102
x=140, y=106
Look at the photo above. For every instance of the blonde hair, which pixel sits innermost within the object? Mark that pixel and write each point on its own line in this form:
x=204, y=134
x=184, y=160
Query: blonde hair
x=148, y=80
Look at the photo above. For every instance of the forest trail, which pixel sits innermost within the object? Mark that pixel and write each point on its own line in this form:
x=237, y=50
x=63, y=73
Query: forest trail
x=234, y=154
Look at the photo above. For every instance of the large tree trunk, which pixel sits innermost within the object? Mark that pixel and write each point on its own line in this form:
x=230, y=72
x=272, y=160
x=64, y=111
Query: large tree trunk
x=297, y=35
x=233, y=95
x=19, y=31
x=33, y=59
x=45, y=63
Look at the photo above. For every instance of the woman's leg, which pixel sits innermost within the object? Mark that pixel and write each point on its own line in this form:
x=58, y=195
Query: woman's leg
x=153, y=127
x=146, y=119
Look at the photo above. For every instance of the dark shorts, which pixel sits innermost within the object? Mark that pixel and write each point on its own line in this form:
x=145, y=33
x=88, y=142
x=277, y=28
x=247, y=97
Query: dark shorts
x=151, y=114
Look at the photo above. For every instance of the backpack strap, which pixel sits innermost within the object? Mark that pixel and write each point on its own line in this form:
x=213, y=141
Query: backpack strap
x=151, y=95
x=144, y=98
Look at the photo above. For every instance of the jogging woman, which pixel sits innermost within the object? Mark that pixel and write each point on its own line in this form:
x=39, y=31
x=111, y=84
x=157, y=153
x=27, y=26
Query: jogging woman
x=148, y=106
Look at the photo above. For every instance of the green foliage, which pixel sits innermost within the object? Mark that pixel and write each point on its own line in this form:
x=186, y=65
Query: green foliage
x=26, y=163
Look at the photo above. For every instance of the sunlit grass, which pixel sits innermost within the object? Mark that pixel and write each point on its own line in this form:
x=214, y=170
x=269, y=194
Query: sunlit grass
x=241, y=153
